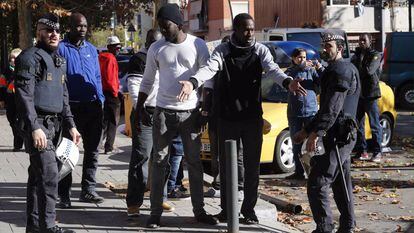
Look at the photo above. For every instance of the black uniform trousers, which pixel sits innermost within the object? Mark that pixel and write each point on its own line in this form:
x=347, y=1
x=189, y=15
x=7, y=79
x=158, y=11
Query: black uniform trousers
x=11, y=114
x=88, y=120
x=112, y=107
x=324, y=175
x=250, y=132
x=42, y=184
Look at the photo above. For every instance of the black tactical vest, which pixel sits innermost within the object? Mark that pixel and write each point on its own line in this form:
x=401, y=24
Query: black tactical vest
x=48, y=96
x=351, y=100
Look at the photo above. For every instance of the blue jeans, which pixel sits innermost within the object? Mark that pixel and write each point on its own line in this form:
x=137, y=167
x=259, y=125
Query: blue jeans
x=371, y=108
x=176, y=155
x=142, y=145
x=167, y=124
x=295, y=125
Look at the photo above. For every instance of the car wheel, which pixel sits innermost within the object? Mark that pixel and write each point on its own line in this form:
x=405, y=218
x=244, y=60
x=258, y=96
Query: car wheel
x=406, y=96
x=386, y=126
x=283, y=161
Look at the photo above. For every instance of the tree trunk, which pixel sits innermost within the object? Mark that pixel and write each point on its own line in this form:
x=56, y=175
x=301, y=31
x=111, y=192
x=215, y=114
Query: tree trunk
x=25, y=24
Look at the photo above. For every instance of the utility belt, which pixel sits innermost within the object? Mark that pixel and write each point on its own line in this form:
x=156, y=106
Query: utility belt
x=346, y=129
x=177, y=111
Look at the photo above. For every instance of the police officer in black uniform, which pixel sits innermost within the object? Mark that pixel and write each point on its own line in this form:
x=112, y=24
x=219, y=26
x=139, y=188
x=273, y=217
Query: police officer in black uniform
x=42, y=103
x=340, y=89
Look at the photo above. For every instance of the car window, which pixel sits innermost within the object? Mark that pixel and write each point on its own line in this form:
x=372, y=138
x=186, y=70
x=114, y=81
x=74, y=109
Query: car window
x=402, y=53
x=276, y=38
x=279, y=56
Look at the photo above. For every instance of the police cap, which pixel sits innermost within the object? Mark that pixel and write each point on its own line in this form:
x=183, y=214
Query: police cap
x=50, y=20
x=331, y=36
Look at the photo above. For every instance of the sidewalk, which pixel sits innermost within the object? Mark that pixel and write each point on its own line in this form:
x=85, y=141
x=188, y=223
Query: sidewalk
x=109, y=216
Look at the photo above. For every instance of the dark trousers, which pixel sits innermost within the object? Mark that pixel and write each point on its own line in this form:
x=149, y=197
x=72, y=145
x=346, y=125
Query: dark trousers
x=88, y=120
x=138, y=164
x=142, y=144
x=167, y=124
x=12, y=118
x=42, y=183
x=295, y=125
x=112, y=107
x=371, y=108
x=250, y=132
x=214, y=150
x=324, y=175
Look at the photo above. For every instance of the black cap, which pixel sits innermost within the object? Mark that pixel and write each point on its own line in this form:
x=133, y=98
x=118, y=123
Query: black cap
x=330, y=36
x=172, y=13
x=50, y=20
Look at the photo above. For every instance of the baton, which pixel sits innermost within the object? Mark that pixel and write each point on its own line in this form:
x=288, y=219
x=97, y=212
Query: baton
x=341, y=170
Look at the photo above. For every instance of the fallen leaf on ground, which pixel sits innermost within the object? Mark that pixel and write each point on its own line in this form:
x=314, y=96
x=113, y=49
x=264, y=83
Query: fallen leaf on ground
x=395, y=201
x=357, y=189
x=307, y=220
x=399, y=229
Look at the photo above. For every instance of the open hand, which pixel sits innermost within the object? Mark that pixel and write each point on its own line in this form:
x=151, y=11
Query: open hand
x=296, y=88
x=75, y=135
x=311, y=143
x=185, y=90
x=299, y=137
x=39, y=139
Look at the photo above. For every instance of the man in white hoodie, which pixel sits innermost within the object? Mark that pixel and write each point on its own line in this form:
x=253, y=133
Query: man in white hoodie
x=176, y=57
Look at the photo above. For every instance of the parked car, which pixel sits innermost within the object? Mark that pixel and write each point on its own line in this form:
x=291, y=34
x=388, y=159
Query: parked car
x=398, y=67
x=277, y=143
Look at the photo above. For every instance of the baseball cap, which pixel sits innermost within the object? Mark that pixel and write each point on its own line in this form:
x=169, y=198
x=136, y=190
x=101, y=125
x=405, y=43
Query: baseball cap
x=113, y=40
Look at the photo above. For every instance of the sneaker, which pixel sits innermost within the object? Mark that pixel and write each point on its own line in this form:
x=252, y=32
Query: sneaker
x=295, y=176
x=153, y=222
x=91, y=198
x=207, y=219
x=177, y=194
x=251, y=219
x=376, y=157
x=133, y=211
x=32, y=229
x=113, y=151
x=211, y=192
x=222, y=216
x=182, y=188
x=167, y=207
x=345, y=231
x=363, y=156
x=57, y=229
x=64, y=203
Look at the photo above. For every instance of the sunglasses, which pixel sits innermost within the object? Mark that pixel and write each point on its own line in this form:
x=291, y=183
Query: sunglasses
x=51, y=30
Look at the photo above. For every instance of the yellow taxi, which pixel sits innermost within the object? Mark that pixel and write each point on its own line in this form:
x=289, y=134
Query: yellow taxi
x=277, y=144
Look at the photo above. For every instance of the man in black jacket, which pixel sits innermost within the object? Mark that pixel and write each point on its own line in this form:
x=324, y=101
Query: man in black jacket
x=242, y=61
x=368, y=61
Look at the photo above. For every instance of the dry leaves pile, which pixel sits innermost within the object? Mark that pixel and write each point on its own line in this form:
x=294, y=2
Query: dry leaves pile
x=293, y=220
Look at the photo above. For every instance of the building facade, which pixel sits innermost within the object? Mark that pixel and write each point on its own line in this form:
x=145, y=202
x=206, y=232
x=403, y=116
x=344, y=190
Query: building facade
x=212, y=19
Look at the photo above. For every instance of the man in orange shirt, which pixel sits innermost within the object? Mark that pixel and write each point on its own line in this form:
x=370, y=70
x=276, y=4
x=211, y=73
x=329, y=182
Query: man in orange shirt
x=110, y=86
